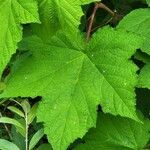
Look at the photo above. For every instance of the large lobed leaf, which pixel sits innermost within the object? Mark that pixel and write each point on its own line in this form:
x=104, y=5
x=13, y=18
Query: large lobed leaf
x=73, y=78
x=13, y=13
x=138, y=22
x=110, y=50
x=116, y=133
x=56, y=15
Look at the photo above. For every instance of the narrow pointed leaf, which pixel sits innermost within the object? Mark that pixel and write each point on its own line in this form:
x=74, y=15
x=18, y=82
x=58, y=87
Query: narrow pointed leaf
x=36, y=138
x=6, y=145
x=32, y=113
x=16, y=110
x=11, y=121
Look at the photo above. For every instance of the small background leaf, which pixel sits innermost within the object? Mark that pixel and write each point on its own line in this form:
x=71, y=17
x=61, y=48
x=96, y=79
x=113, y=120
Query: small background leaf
x=32, y=113
x=11, y=121
x=6, y=145
x=36, y=138
x=16, y=110
x=26, y=106
x=44, y=147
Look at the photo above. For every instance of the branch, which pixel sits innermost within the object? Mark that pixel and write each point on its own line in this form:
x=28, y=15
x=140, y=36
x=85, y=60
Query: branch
x=91, y=21
x=103, y=6
x=91, y=18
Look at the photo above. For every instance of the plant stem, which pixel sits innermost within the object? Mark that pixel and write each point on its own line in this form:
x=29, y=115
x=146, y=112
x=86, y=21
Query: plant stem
x=102, y=25
x=91, y=18
x=103, y=6
x=26, y=136
x=91, y=22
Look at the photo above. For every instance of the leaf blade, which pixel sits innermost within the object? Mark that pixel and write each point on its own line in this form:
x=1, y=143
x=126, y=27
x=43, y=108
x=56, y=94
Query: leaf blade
x=36, y=138
x=11, y=121
x=4, y=144
x=116, y=133
x=16, y=110
x=13, y=14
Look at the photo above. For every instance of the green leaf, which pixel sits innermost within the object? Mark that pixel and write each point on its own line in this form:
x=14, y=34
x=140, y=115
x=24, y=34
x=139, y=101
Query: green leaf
x=56, y=15
x=77, y=86
x=36, y=138
x=32, y=113
x=26, y=106
x=2, y=86
x=116, y=133
x=148, y=2
x=16, y=110
x=44, y=147
x=17, y=138
x=3, y=101
x=72, y=85
x=11, y=121
x=20, y=130
x=6, y=145
x=14, y=13
x=143, y=80
x=138, y=22
x=110, y=51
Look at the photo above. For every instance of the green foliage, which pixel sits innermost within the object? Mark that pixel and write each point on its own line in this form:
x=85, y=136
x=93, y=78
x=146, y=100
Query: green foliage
x=116, y=134
x=137, y=22
x=22, y=127
x=36, y=138
x=80, y=82
x=14, y=13
x=76, y=77
x=6, y=145
x=56, y=15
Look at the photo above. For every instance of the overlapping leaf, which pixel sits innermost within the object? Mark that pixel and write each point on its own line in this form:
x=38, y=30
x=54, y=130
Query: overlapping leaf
x=110, y=51
x=116, y=133
x=138, y=21
x=144, y=81
x=13, y=13
x=72, y=85
x=69, y=85
x=55, y=15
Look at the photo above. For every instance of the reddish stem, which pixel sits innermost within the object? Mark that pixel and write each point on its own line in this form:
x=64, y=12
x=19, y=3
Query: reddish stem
x=91, y=18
